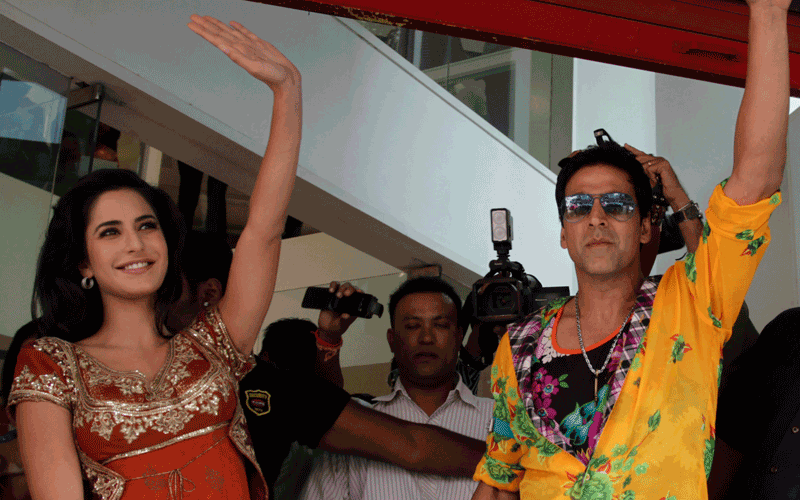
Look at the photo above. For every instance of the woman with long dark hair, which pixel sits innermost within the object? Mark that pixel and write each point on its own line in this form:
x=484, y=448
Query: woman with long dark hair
x=111, y=394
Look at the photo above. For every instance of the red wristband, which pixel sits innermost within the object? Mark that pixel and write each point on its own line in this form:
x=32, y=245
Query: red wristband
x=329, y=349
x=324, y=343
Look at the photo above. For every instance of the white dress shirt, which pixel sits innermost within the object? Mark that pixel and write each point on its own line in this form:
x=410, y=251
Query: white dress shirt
x=342, y=477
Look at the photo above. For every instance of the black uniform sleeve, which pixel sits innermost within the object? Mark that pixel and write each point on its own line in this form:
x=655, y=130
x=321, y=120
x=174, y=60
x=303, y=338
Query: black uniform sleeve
x=283, y=406
x=287, y=405
x=322, y=403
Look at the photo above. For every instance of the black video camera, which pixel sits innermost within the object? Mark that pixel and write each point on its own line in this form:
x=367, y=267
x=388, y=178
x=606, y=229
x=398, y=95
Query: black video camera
x=358, y=304
x=506, y=294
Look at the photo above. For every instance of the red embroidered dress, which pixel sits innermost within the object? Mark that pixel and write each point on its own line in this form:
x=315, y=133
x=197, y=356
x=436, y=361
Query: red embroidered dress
x=182, y=436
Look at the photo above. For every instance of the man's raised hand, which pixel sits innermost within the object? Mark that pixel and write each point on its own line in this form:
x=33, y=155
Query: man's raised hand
x=782, y=4
x=657, y=166
x=332, y=325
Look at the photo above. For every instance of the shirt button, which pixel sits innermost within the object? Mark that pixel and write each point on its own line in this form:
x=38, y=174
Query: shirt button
x=795, y=430
x=773, y=469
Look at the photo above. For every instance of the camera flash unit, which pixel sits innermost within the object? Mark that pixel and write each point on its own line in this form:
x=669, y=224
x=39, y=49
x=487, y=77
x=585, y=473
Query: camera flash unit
x=501, y=225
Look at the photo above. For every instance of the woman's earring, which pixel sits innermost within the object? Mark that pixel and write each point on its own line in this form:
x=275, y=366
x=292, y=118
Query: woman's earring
x=205, y=304
x=87, y=283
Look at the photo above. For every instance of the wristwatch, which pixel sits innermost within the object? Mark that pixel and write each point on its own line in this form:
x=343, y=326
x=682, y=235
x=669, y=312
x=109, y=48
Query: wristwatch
x=689, y=212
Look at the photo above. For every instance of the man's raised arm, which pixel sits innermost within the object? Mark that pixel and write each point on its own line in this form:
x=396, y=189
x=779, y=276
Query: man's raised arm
x=759, y=152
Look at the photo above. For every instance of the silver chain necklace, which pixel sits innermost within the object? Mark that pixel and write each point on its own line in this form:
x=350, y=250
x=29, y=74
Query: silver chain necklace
x=597, y=373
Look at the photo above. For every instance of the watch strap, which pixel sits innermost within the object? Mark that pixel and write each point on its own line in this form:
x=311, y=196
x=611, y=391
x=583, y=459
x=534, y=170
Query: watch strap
x=689, y=212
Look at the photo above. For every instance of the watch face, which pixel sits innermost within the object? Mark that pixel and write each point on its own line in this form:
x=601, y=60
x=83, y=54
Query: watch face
x=688, y=213
x=693, y=212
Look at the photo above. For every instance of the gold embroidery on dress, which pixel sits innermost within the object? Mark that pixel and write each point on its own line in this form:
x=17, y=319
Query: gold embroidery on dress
x=168, y=414
x=167, y=409
x=154, y=481
x=182, y=437
x=214, y=479
x=46, y=387
x=105, y=482
x=174, y=479
x=220, y=342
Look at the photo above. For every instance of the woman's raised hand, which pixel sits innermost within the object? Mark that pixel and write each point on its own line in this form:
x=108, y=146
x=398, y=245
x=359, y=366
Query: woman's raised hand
x=259, y=58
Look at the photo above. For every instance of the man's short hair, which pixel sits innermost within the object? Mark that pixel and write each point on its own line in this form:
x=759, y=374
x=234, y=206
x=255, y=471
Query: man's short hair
x=423, y=284
x=609, y=153
x=206, y=256
x=290, y=343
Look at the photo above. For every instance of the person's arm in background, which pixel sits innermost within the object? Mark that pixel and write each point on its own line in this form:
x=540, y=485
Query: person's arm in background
x=422, y=448
x=473, y=345
x=332, y=326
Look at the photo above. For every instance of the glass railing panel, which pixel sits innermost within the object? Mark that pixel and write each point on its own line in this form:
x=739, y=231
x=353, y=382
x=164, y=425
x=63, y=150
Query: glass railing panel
x=525, y=95
x=31, y=124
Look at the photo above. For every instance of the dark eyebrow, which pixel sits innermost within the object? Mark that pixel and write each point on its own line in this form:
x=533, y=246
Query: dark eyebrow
x=117, y=223
x=436, y=318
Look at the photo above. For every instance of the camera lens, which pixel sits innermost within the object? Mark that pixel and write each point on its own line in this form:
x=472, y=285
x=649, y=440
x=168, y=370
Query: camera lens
x=503, y=299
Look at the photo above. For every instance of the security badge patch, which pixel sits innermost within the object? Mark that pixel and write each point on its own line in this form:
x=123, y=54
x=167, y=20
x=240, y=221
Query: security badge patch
x=258, y=402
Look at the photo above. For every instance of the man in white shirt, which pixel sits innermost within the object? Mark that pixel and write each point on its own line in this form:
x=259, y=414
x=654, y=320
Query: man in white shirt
x=425, y=339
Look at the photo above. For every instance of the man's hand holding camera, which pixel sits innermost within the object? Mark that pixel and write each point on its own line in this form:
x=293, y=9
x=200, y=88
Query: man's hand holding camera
x=332, y=325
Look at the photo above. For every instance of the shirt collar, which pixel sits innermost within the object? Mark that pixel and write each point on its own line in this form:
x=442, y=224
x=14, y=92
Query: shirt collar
x=461, y=390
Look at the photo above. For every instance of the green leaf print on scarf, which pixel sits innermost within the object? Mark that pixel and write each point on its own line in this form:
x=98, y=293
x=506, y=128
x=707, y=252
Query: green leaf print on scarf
x=691, y=270
x=706, y=231
x=747, y=234
x=708, y=455
x=618, y=450
x=714, y=319
x=753, y=246
x=654, y=420
x=679, y=348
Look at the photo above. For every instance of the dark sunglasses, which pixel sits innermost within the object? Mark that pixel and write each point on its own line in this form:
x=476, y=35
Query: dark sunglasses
x=620, y=206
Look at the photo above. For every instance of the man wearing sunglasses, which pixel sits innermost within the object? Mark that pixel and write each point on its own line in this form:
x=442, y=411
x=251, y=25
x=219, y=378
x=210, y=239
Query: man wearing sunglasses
x=612, y=393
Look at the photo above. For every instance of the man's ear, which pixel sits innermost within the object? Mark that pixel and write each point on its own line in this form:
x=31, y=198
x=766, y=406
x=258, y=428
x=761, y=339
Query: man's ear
x=390, y=338
x=210, y=291
x=563, y=237
x=646, y=230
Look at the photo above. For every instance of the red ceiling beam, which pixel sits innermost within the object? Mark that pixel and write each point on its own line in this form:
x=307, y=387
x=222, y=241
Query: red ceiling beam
x=700, y=39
